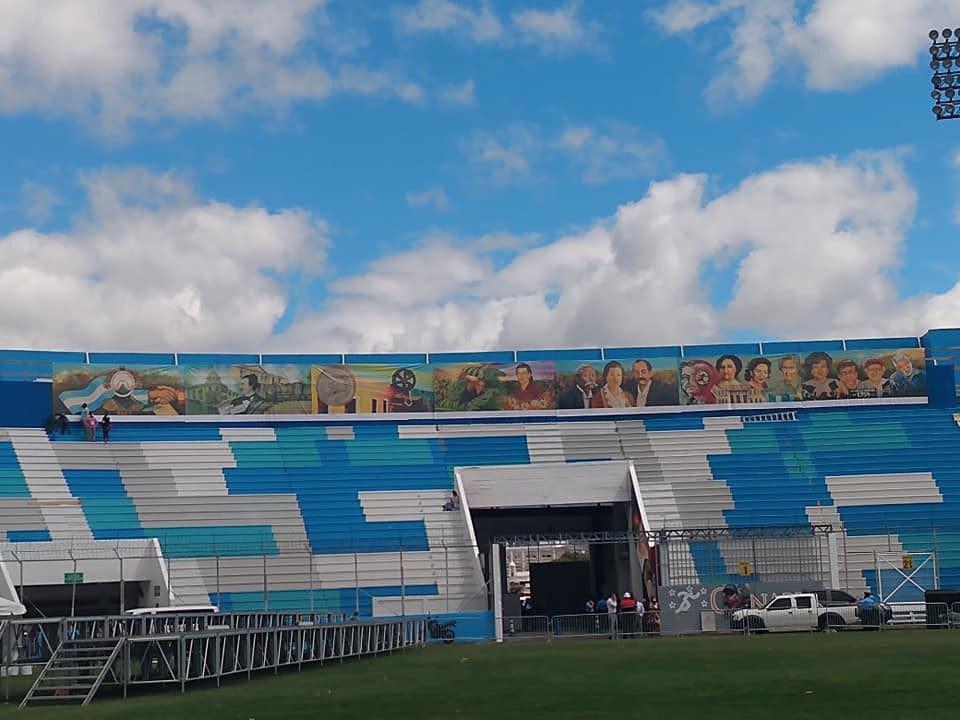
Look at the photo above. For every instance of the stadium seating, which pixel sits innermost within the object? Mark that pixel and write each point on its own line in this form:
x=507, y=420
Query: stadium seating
x=334, y=506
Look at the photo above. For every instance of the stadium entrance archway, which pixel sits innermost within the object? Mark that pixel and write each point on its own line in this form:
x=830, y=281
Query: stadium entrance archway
x=547, y=518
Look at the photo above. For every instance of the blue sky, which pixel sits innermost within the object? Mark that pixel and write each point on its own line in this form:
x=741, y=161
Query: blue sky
x=448, y=174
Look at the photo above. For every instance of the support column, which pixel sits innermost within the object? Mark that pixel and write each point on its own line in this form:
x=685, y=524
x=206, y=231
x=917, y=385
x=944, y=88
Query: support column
x=497, y=592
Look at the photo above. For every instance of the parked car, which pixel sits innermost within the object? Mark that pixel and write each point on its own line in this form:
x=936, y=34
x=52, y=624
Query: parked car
x=794, y=612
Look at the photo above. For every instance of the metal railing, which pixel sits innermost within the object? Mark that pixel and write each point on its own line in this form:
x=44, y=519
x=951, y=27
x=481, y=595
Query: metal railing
x=179, y=649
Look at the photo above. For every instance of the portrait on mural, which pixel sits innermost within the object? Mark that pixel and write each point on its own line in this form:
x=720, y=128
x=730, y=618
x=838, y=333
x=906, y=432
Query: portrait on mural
x=865, y=374
x=247, y=389
x=468, y=387
x=619, y=383
x=725, y=379
x=375, y=389
x=118, y=389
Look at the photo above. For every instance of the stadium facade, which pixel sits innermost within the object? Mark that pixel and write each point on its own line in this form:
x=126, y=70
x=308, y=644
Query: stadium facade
x=324, y=482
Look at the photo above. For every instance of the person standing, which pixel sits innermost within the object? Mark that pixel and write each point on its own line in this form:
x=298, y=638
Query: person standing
x=612, y=615
x=105, y=426
x=89, y=425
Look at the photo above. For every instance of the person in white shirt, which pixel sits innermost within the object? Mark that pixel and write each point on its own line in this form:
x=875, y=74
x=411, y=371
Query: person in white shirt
x=612, y=615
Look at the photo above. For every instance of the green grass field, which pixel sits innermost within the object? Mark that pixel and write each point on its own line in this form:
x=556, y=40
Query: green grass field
x=910, y=674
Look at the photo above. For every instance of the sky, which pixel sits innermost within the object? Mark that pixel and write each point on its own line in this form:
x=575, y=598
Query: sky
x=428, y=175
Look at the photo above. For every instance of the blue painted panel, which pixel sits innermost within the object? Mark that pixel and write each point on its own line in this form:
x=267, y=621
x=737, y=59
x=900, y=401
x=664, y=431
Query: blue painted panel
x=386, y=359
x=680, y=421
x=43, y=356
x=216, y=359
x=941, y=338
x=117, y=358
x=42, y=535
x=12, y=482
x=341, y=600
x=283, y=359
x=643, y=352
x=803, y=346
x=883, y=343
x=24, y=404
x=694, y=351
x=495, y=356
x=567, y=354
x=95, y=483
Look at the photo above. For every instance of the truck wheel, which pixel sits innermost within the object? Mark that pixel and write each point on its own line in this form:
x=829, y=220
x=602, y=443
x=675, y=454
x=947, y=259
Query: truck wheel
x=831, y=622
x=756, y=625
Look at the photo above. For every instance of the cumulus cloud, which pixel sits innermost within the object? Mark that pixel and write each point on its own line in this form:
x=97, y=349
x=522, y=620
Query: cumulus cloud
x=813, y=248
x=429, y=16
x=599, y=153
x=114, y=63
x=462, y=94
x=435, y=197
x=613, y=151
x=554, y=30
x=37, y=201
x=837, y=43
x=151, y=267
x=505, y=157
x=558, y=30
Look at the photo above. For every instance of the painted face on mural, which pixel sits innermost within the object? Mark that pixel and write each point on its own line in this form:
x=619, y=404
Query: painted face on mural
x=687, y=380
x=904, y=366
x=641, y=373
x=588, y=376
x=761, y=373
x=789, y=369
x=614, y=377
x=818, y=371
x=848, y=376
x=875, y=372
x=523, y=376
x=728, y=370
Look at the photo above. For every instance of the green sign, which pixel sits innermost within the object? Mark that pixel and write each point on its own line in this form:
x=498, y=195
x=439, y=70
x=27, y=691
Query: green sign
x=73, y=578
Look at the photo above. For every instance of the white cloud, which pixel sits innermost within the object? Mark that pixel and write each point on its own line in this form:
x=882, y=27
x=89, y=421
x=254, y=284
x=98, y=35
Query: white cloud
x=813, y=248
x=837, y=43
x=556, y=30
x=463, y=94
x=507, y=156
x=435, y=197
x=600, y=153
x=612, y=151
x=427, y=16
x=114, y=63
x=150, y=267
x=37, y=202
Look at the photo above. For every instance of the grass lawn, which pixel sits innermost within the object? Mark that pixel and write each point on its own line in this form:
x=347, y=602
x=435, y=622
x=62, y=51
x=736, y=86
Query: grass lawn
x=909, y=674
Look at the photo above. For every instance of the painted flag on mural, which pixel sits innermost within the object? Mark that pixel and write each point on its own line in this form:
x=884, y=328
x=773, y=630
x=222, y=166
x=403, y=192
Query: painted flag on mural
x=94, y=395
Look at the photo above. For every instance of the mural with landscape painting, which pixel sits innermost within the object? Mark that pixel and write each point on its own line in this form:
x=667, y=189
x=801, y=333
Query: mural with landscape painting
x=479, y=386
x=813, y=376
x=618, y=383
x=247, y=389
x=376, y=389
x=118, y=389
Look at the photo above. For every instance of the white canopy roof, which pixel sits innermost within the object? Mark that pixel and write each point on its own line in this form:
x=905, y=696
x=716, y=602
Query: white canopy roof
x=9, y=608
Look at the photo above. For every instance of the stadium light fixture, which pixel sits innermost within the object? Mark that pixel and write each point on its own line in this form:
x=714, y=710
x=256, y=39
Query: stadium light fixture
x=945, y=63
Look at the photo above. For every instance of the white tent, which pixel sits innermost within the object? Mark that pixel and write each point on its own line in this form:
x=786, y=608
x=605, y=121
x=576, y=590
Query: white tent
x=9, y=608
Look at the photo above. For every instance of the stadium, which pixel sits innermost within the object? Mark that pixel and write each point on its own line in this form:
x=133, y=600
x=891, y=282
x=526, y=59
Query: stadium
x=375, y=491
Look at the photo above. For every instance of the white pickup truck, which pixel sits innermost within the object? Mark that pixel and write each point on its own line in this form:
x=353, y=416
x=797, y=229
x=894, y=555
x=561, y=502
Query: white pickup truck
x=793, y=612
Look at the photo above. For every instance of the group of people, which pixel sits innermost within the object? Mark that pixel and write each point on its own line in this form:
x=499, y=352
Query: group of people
x=89, y=423
x=614, y=389
x=817, y=378
x=628, y=615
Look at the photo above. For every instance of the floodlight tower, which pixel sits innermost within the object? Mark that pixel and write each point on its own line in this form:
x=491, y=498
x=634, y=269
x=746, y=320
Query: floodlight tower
x=945, y=63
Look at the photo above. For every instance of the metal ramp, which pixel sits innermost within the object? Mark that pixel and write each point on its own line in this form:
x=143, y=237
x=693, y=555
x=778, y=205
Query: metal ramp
x=75, y=672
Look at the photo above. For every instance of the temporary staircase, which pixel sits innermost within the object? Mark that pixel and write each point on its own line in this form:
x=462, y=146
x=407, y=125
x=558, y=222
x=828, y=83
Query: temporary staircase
x=75, y=671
